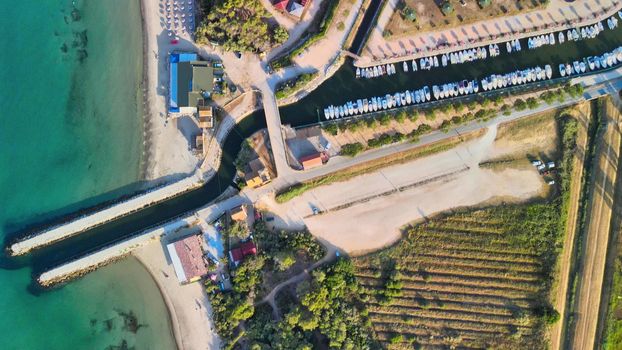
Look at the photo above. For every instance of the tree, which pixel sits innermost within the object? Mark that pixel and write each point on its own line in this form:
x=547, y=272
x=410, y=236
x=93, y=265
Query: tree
x=484, y=3
x=447, y=8
x=409, y=14
x=284, y=260
x=351, y=149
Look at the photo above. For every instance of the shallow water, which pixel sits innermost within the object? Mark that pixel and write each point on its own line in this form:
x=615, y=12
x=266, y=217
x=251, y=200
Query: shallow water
x=70, y=137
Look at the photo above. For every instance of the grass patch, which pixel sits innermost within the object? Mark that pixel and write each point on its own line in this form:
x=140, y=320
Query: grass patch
x=289, y=87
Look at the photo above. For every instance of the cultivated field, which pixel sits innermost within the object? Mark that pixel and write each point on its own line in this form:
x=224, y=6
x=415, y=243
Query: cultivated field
x=472, y=279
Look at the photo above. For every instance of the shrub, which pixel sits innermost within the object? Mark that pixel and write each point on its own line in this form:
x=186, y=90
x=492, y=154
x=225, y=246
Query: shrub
x=385, y=119
x=532, y=103
x=520, y=105
x=400, y=116
x=447, y=8
x=352, y=149
x=331, y=128
x=341, y=26
x=445, y=125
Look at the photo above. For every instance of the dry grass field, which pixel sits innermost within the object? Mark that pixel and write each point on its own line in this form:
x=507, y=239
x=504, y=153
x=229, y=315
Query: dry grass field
x=430, y=17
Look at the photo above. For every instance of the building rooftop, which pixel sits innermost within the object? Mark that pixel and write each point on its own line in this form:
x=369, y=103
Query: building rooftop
x=311, y=161
x=191, y=80
x=187, y=258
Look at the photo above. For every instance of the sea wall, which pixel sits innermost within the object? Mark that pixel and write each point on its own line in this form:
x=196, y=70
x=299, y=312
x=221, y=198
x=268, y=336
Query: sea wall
x=100, y=217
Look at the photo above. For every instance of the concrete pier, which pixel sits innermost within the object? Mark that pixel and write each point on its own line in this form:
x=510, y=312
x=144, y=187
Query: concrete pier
x=100, y=217
x=90, y=262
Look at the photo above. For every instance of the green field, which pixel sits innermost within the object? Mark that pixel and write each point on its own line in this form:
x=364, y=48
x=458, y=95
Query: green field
x=477, y=279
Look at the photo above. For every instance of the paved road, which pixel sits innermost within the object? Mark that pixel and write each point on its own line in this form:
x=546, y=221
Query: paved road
x=273, y=120
x=596, y=238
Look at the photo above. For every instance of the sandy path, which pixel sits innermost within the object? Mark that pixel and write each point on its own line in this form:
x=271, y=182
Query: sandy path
x=404, y=193
x=597, y=237
x=188, y=305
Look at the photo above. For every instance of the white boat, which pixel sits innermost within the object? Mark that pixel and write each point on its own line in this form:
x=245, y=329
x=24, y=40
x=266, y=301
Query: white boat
x=409, y=99
x=582, y=67
x=405, y=65
x=414, y=65
x=398, y=99
x=475, y=86
x=576, y=67
x=385, y=104
x=600, y=26
x=374, y=104
x=435, y=61
x=375, y=71
x=393, y=68
x=417, y=96
x=444, y=60
x=426, y=90
x=551, y=39
x=359, y=104
x=620, y=14
x=358, y=72
x=568, y=69
x=403, y=98
x=590, y=63
x=365, y=106
x=560, y=38
x=549, y=71
x=436, y=92
x=508, y=47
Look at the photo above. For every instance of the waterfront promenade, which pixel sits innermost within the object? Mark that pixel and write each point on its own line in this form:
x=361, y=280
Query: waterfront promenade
x=558, y=15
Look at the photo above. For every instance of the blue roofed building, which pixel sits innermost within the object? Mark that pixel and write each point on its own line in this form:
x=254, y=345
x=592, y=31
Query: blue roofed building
x=191, y=82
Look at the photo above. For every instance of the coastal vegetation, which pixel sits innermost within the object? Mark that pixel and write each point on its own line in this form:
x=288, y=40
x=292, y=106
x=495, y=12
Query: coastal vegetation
x=239, y=25
x=287, y=88
x=478, y=278
x=322, y=310
x=316, y=32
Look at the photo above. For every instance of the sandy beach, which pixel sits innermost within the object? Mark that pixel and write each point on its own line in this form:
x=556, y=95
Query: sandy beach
x=167, y=155
x=188, y=305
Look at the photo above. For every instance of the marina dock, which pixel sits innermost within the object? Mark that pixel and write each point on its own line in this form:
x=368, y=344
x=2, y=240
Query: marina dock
x=91, y=220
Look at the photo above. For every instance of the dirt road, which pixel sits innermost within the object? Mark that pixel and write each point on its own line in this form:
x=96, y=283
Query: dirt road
x=596, y=237
x=561, y=292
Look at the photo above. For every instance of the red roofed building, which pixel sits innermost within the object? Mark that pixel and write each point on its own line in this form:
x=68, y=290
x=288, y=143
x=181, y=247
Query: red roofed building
x=245, y=249
x=280, y=4
x=311, y=161
x=187, y=258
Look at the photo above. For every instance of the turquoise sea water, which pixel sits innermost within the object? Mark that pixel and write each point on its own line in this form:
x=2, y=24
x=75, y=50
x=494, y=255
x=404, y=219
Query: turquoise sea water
x=71, y=137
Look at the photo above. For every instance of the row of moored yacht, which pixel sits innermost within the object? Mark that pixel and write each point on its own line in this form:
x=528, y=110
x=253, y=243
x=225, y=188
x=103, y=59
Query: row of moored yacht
x=376, y=71
x=592, y=63
x=519, y=77
x=379, y=103
x=427, y=63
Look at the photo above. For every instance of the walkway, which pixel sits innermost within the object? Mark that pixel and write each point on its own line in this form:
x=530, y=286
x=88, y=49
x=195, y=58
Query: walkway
x=100, y=217
x=556, y=16
x=273, y=120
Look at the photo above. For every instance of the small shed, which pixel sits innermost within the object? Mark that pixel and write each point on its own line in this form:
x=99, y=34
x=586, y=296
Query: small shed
x=311, y=161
